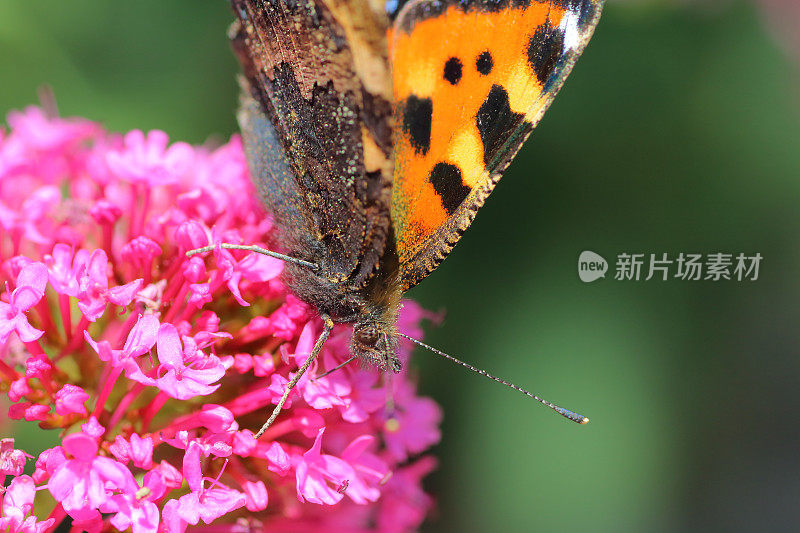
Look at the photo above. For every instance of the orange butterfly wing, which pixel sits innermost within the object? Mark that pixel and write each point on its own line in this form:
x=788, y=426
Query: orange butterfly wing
x=471, y=79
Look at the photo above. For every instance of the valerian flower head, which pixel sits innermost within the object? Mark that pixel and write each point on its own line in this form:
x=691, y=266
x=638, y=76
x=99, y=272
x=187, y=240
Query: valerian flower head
x=153, y=368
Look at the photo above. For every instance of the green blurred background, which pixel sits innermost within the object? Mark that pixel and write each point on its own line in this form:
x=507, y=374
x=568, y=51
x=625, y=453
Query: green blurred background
x=678, y=132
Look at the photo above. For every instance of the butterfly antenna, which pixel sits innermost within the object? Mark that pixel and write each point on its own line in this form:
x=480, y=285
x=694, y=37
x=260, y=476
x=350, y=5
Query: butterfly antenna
x=566, y=413
x=256, y=249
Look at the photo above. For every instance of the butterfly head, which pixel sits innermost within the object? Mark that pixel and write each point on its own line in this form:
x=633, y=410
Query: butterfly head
x=375, y=343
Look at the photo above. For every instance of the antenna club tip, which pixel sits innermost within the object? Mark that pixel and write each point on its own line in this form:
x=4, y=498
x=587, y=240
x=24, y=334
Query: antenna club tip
x=571, y=415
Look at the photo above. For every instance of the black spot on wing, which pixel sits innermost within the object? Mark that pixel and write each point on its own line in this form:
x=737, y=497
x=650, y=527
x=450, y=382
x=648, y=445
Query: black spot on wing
x=417, y=113
x=420, y=11
x=545, y=48
x=496, y=123
x=453, y=70
x=484, y=63
x=446, y=181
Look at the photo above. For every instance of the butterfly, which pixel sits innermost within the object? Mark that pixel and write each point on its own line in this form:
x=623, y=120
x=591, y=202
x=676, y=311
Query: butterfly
x=375, y=135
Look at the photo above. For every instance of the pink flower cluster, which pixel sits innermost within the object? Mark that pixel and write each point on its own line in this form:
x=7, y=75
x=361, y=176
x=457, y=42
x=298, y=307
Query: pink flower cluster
x=153, y=368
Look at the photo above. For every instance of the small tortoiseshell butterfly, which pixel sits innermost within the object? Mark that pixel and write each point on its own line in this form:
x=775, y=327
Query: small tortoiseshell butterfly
x=375, y=137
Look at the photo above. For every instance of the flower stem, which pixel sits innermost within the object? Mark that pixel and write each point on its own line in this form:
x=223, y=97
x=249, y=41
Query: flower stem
x=45, y=316
x=66, y=315
x=34, y=348
x=58, y=515
x=152, y=409
x=105, y=392
x=76, y=339
x=125, y=329
x=108, y=237
x=126, y=401
x=9, y=372
x=178, y=303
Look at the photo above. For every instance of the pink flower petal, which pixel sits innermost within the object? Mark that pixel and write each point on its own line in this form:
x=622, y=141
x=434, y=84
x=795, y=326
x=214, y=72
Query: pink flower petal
x=124, y=294
x=256, y=495
x=170, y=350
x=19, y=496
x=191, y=467
x=80, y=446
x=70, y=400
x=142, y=337
x=279, y=461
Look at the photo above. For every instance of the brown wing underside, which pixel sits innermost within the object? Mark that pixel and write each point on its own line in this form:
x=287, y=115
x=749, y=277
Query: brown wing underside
x=471, y=80
x=317, y=69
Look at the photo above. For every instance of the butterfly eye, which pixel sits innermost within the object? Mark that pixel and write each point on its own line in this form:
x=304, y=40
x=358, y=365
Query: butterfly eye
x=367, y=336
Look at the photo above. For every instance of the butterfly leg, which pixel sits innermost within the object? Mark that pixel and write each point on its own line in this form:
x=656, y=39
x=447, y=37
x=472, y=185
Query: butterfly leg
x=337, y=367
x=256, y=249
x=392, y=424
x=326, y=331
